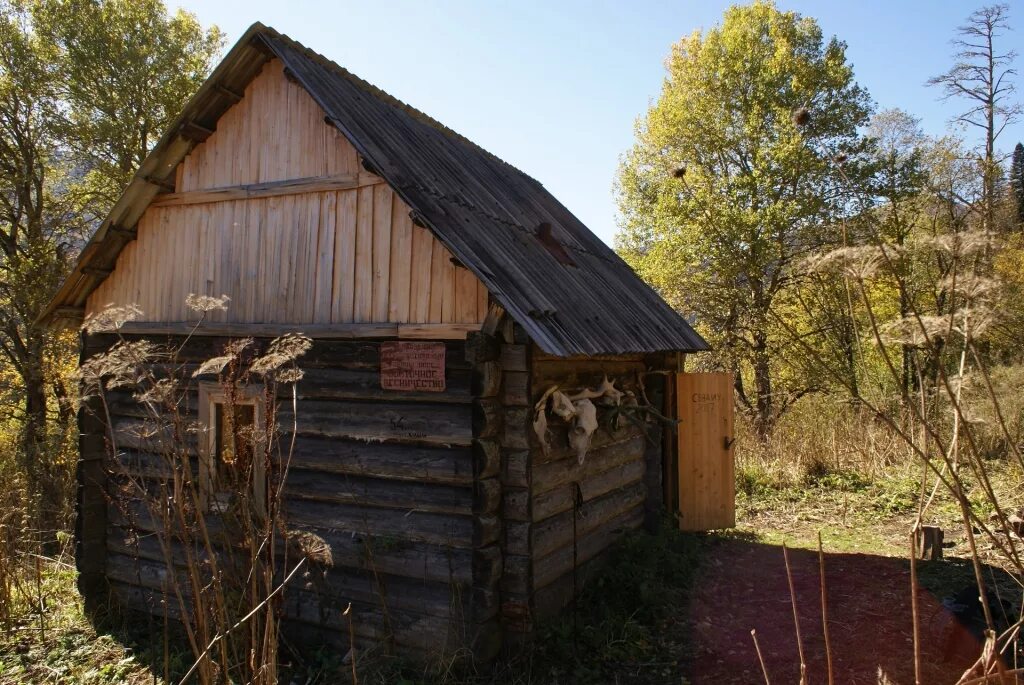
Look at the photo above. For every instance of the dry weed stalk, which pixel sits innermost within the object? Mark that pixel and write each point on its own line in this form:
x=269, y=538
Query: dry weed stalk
x=824, y=611
x=222, y=538
x=796, y=617
x=936, y=425
x=760, y=658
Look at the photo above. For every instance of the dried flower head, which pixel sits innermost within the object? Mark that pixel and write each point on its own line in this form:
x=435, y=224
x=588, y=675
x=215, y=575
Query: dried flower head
x=120, y=366
x=971, y=286
x=915, y=331
x=163, y=392
x=212, y=365
x=801, y=116
x=862, y=261
x=283, y=350
x=963, y=244
x=290, y=375
x=232, y=351
x=207, y=303
x=111, y=318
x=679, y=172
x=311, y=546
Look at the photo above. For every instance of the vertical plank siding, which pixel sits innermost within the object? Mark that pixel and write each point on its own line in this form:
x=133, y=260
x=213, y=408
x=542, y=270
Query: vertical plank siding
x=334, y=256
x=385, y=479
x=275, y=132
x=707, y=481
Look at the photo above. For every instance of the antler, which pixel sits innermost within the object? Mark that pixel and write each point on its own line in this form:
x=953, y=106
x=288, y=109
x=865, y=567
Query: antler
x=605, y=389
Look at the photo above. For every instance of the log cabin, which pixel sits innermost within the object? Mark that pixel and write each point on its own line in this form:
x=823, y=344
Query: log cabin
x=321, y=204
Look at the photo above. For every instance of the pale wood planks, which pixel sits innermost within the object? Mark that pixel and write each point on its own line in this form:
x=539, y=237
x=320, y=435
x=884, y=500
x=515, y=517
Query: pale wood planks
x=275, y=132
x=420, y=271
x=363, y=290
x=339, y=256
x=274, y=211
x=343, y=288
x=707, y=487
x=382, y=198
x=324, y=278
x=402, y=255
x=293, y=186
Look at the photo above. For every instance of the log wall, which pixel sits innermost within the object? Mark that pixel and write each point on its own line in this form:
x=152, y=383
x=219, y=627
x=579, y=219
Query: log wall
x=576, y=512
x=392, y=482
x=448, y=524
x=275, y=211
x=557, y=517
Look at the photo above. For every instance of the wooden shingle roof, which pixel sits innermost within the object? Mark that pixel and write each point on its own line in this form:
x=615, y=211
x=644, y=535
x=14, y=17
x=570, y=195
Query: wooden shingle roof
x=570, y=291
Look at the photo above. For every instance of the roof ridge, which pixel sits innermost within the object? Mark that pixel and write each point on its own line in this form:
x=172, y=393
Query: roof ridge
x=378, y=92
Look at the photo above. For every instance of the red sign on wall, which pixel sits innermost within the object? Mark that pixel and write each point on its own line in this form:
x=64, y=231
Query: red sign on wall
x=412, y=366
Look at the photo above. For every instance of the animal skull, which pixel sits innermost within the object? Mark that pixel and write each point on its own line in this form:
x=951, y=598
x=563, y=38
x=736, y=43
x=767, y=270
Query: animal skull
x=583, y=427
x=562, y=406
x=540, y=428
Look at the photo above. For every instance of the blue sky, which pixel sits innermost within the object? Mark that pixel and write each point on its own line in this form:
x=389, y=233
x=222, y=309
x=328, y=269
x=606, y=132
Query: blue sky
x=555, y=87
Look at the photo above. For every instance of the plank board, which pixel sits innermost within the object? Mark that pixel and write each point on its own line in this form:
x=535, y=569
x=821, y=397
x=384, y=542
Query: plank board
x=274, y=211
x=707, y=486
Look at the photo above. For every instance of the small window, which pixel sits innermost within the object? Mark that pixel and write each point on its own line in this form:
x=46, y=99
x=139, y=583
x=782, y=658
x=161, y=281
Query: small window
x=231, y=448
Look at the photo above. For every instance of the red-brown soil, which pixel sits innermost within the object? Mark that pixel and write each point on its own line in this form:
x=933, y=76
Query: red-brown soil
x=743, y=586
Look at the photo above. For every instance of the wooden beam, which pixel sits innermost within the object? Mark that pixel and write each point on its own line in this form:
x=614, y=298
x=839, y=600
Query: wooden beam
x=126, y=233
x=402, y=331
x=72, y=314
x=230, y=94
x=194, y=131
x=293, y=186
x=166, y=184
x=96, y=271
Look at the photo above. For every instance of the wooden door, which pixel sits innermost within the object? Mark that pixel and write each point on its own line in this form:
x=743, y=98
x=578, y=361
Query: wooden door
x=707, y=485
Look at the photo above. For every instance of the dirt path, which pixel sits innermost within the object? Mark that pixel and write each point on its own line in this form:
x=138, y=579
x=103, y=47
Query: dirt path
x=743, y=586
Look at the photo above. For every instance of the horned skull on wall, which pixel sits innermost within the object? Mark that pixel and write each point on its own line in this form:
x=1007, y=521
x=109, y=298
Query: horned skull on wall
x=584, y=424
x=576, y=409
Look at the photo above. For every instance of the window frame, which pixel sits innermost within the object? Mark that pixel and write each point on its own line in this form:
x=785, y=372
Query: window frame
x=212, y=394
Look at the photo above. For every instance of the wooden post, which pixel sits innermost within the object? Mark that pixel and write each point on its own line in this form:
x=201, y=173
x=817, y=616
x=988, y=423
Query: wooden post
x=654, y=457
x=929, y=543
x=91, y=519
x=516, y=582
x=485, y=632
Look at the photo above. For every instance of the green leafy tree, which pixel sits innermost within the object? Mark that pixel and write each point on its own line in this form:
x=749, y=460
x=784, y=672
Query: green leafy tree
x=33, y=236
x=127, y=68
x=85, y=86
x=899, y=179
x=733, y=181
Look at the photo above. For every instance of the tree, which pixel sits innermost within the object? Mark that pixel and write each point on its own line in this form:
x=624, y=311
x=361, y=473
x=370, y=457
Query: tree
x=33, y=235
x=898, y=180
x=982, y=74
x=733, y=181
x=82, y=95
x=1017, y=183
x=127, y=68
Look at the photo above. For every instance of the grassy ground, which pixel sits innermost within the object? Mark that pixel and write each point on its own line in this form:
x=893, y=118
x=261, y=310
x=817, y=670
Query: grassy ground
x=857, y=513
x=58, y=644
x=659, y=612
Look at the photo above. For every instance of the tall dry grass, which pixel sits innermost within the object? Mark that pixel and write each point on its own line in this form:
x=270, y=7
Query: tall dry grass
x=963, y=413
x=220, y=528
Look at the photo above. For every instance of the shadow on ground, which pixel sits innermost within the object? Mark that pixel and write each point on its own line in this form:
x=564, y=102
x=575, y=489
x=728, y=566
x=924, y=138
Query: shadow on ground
x=741, y=585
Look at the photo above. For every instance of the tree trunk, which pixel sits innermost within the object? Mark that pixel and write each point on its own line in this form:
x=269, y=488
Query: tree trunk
x=764, y=418
x=34, y=452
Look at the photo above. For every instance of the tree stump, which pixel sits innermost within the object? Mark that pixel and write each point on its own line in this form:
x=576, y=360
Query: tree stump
x=929, y=543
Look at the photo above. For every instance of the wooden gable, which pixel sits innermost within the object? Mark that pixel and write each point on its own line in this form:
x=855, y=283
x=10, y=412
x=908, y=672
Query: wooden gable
x=275, y=211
